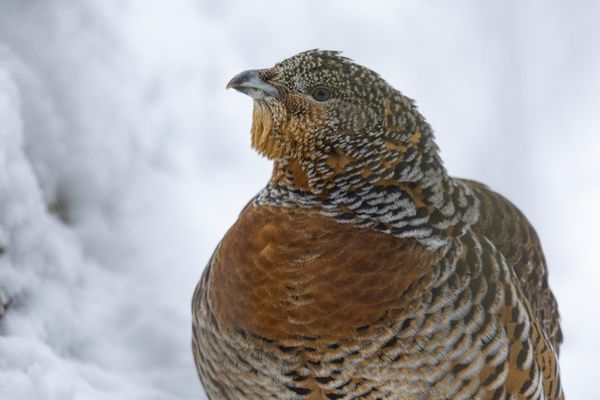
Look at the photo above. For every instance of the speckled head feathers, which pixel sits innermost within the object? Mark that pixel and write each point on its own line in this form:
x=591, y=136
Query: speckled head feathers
x=325, y=103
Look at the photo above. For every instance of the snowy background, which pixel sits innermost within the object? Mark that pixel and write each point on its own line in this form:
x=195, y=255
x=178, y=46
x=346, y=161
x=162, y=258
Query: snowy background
x=123, y=161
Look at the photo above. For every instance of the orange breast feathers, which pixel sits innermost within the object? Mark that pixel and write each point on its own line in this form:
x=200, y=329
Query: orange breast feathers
x=283, y=273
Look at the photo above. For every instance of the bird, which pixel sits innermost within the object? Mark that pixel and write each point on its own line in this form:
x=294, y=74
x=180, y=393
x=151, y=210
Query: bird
x=363, y=270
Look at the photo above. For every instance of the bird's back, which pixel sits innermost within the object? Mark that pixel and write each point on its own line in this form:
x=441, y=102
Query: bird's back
x=511, y=233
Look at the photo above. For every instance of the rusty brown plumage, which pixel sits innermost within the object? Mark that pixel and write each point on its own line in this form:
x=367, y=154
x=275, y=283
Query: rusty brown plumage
x=282, y=268
x=362, y=270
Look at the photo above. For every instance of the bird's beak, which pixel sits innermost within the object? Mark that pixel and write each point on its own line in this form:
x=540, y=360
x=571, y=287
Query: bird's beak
x=250, y=83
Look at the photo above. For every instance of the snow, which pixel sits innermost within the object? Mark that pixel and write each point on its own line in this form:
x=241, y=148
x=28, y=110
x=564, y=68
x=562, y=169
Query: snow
x=123, y=161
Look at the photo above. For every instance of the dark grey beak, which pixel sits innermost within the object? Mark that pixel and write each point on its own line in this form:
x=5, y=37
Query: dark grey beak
x=250, y=83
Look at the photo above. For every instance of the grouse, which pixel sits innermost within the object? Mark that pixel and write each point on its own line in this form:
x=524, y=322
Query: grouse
x=363, y=270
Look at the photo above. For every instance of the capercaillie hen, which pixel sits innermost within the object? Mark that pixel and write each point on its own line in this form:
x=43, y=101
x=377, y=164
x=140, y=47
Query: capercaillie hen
x=363, y=270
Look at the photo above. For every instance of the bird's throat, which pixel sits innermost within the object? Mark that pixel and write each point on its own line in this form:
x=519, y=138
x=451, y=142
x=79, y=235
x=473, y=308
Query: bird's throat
x=263, y=139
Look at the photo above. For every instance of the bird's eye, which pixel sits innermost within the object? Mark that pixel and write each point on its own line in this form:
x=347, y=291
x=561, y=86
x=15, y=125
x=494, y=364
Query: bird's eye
x=321, y=93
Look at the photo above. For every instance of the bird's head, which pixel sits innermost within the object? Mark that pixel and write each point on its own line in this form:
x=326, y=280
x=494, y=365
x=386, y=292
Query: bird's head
x=319, y=103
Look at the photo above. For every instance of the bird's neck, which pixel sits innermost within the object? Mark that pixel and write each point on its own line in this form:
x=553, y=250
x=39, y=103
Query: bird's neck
x=391, y=189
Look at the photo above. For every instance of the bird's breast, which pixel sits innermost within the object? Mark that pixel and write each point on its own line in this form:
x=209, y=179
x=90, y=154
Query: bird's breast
x=285, y=273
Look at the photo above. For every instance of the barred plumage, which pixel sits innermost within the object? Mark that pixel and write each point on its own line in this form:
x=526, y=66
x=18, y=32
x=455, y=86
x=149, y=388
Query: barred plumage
x=362, y=270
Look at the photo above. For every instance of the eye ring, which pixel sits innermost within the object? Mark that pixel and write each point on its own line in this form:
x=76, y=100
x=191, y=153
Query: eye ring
x=321, y=93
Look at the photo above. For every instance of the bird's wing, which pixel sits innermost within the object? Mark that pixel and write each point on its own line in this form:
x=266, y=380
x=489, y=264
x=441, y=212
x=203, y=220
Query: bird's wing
x=199, y=308
x=200, y=293
x=512, y=234
x=203, y=319
x=202, y=316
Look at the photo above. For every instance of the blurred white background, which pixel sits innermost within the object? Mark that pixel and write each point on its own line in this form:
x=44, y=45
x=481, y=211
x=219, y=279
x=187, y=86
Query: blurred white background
x=123, y=161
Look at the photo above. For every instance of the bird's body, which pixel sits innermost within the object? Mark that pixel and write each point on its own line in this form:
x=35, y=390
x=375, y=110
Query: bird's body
x=362, y=270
